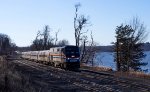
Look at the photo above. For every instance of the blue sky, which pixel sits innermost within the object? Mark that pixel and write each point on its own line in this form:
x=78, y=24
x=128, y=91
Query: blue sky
x=21, y=19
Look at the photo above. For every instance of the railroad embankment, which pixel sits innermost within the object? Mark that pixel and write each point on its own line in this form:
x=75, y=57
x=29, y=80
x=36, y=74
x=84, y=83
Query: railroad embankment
x=18, y=75
x=13, y=80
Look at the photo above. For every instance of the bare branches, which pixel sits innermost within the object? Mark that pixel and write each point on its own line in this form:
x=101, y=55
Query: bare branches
x=43, y=40
x=139, y=30
x=6, y=46
x=38, y=34
x=56, y=36
x=63, y=42
x=87, y=47
x=79, y=23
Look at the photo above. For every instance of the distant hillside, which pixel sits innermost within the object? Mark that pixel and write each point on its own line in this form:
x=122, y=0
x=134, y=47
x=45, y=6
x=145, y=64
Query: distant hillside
x=105, y=48
x=22, y=49
x=146, y=47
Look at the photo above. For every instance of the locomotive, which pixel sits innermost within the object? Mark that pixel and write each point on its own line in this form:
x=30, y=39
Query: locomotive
x=67, y=57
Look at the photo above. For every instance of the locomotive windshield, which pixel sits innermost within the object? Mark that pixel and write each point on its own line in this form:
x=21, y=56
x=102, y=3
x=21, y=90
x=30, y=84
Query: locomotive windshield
x=72, y=51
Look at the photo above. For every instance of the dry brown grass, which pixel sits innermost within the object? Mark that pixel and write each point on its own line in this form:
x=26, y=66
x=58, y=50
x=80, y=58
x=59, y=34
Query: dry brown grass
x=12, y=80
x=95, y=68
x=131, y=74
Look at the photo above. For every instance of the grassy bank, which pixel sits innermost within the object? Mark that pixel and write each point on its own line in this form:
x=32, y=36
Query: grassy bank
x=11, y=80
x=130, y=74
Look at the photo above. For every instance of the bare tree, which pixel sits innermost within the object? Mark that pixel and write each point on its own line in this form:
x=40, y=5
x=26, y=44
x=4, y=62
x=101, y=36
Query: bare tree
x=56, y=37
x=63, y=42
x=83, y=48
x=139, y=33
x=88, y=49
x=79, y=23
x=45, y=36
x=35, y=45
x=93, y=49
x=81, y=38
x=6, y=46
x=43, y=40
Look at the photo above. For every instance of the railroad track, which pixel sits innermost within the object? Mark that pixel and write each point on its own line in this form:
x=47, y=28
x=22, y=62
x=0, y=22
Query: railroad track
x=69, y=76
x=123, y=82
x=90, y=80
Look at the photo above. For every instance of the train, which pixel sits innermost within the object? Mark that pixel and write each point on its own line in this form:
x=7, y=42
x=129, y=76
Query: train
x=66, y=57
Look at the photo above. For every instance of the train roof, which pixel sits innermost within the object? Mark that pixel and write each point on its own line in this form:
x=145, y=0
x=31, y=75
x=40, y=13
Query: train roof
x=64, y=46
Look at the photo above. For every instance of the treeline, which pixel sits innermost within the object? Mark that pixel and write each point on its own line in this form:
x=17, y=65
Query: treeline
x=44, y=40
x=110, y=48
x=6, y=45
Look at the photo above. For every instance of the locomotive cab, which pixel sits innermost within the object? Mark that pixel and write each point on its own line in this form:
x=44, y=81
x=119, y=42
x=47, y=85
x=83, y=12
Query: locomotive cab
x=72, y=57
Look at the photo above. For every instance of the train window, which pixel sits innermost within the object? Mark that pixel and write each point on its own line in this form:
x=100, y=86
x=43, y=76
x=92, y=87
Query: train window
x=72, y=51
x=44, y=55
x=63, y=50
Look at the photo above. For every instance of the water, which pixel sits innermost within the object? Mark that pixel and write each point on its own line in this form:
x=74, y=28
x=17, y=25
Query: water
x=106, y=59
